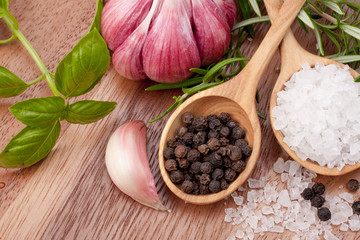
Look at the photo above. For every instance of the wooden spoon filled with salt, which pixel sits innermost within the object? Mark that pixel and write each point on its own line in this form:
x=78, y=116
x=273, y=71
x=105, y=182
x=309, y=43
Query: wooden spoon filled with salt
x=236, y=97
x=293, y=57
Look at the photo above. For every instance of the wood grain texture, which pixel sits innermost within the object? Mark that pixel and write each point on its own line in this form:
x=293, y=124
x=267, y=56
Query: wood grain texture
x=69, y=195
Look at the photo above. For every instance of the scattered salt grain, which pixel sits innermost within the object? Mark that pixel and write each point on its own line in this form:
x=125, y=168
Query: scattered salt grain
x=317, y=113
x=254, y=183
x=279, y=166
x=344, y=227
x=347, y=197
x=239, y=234
x=284, y=198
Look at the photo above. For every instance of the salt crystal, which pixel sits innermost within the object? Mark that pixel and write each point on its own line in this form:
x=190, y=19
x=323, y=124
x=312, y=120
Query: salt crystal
x=252, y=221
x=329, y=236
x=294, y=167
x=344, y=227
x=354, y=225
x=284, y=198
x=284, y=177
x=277, y=229
x=347, y=197
x=279, y=165
x=266, y=210
x=228, y=218
x=239, y=234
x=254, y=183
x=241, y=189
x=239, y=200
x=231, y=238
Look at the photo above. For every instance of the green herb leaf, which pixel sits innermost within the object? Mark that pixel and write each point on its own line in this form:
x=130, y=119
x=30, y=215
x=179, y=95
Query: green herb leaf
x=84, y=66
x=220, y=65
x=185, y=83
x=357, y=79
x=29, y=146
x=97, y=18
x=4, y=4
x=304, y=17
x=333, y=6
x=10, y=84
x=88, y=111
x=250, y=21
x=255, y=7
x=351, y=30
x=345, y=59
x=39, y=111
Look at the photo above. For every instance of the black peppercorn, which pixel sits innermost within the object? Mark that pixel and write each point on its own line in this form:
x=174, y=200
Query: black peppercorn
x=237, y=133
x=214, y=123
x=213, y=144
x=193, y=155
x=180, y=151
x=206, y=167
x=187, y=118
x=224, y=132
x=188, y=176
x=230, y=175
x=213, y=134
x=205, y=179
x=227, y=162
x=317, y=201
x=238, y=166
x=199, y=138
x=353, y=184
x=356, y=207
x=169, y=153
x=242, y=143
x=188, y=138
x=204, y=189
x=215, y=159
x=246, y=151
x=203, y=149
x=179, y=142
x=183, y=163
x=171, y=143
x=170, y=165
x=232, y=123
x=324, y=214
x=214, y=186
x=318, y=188
x=187, y=186
x=211, y=117
x=308, y=194
x=224, y=184
x=224, y=117
x=200, y=123
x=195, y=167
x=180, y=131
x=222, y=151
x=223, y=141
x=234, y=152
x=217, y=174
x=176, y=176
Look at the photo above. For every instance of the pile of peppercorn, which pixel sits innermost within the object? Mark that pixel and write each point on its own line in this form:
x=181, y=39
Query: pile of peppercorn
x=207, y=153
x=314, y=194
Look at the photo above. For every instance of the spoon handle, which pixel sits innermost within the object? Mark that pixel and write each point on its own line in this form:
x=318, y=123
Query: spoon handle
x=244, y=85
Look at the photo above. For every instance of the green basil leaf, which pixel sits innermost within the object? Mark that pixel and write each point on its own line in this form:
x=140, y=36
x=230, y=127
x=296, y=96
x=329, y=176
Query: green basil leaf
x=4, y=4
x=10, y=84
x=39, y=111
x=29, y=146
x=88, y=111
x=97, y=18
x=84, y=66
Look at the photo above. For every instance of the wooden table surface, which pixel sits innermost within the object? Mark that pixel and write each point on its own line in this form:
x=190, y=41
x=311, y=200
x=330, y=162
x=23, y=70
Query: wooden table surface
x=69, y=195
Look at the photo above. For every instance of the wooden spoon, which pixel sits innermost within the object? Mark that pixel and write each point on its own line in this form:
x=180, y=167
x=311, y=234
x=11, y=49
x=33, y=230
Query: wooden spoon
x=293, y=56
x=236, y=97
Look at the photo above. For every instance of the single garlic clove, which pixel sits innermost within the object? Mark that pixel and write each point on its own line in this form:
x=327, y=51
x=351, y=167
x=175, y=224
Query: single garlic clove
x=229, y=9
x=212, y=32
x=120, y=18
x=127, y=58
x=170, y=49
x=128, y=165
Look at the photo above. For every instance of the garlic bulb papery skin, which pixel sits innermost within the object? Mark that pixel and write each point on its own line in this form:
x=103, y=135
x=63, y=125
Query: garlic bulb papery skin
x=228, y=7
x=120, y=18
x=211, y=30
x=127, y=58
x=170, y=49
x=128, y=166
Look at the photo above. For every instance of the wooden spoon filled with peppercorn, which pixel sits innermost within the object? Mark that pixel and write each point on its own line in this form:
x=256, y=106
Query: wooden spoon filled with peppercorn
x=236, y=98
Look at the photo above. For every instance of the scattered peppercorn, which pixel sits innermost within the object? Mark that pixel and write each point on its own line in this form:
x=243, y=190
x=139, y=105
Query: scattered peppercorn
x=210, y=153
x=317, y=201
x=308, y=194
x=318, y=188
x=170, y=165
x=353, y=185
x=176, y=176
x=356, y=207
x=187, y=186
x=214, y=186
x=324, y=214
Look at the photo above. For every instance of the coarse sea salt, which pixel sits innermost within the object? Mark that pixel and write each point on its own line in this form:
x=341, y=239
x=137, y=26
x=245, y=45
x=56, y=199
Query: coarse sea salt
x=318, y=114
x=267, y=209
